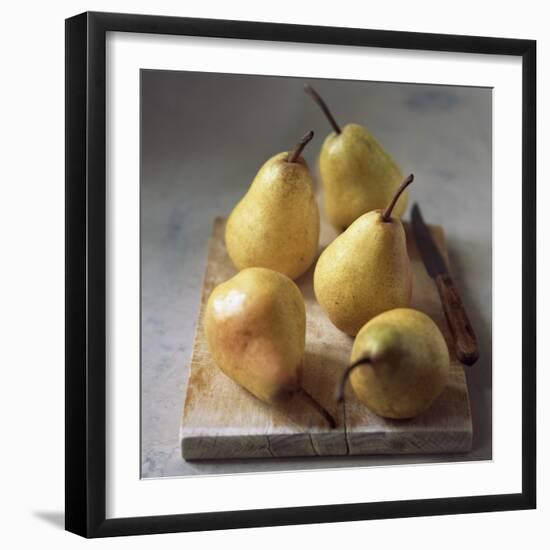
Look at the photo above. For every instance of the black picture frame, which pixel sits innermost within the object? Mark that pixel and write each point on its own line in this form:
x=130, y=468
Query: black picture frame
x=86, y=273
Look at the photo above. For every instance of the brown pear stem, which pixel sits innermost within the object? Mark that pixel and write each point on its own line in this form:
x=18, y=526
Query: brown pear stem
x=319, y=100
x=312, y=401
x=405, y=183
x=342, y=386
x=295, y=153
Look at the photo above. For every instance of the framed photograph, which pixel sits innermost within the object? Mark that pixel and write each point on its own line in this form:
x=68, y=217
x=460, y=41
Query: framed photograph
x=300, y=274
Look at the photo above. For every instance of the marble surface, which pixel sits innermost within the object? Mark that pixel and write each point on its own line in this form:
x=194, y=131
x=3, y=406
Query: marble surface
x=204, y=136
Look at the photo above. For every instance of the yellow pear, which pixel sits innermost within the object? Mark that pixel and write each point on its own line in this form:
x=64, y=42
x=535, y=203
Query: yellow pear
x=366, y=270
x=399, y=364
x=357, y=174
x=255, y=326
x=276, y=224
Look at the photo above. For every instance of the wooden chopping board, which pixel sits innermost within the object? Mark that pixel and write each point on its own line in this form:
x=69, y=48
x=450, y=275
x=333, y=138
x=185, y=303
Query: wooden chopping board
x=221, y=420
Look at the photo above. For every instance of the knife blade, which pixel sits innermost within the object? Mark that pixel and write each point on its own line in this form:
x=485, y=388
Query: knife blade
x=457, y=319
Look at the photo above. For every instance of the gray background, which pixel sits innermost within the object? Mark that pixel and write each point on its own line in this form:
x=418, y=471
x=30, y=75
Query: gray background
x=204, y=136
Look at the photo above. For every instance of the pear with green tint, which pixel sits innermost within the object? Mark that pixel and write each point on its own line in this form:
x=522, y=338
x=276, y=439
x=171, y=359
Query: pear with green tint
x=276, y=224
x=358, y=175
x=399, y=364
x=366, y=270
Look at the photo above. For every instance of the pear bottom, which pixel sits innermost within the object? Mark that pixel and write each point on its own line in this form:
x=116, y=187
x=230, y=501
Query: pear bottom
x=409, y=365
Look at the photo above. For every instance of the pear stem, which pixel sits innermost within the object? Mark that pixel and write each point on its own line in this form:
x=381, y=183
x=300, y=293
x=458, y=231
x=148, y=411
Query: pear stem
x=318, y=407
x=319, y=100
x=342, y=386
x=405, y=183
x=295, y=153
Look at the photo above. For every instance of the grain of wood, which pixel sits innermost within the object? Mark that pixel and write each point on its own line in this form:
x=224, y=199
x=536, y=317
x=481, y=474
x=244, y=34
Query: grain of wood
x=221, y=420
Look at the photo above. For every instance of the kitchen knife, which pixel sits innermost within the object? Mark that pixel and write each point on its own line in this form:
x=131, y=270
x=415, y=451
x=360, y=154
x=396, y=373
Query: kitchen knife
x=461, y=328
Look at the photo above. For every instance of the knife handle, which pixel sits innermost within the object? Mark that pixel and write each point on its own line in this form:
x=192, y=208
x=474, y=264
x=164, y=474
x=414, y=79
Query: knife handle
x=461, y=329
